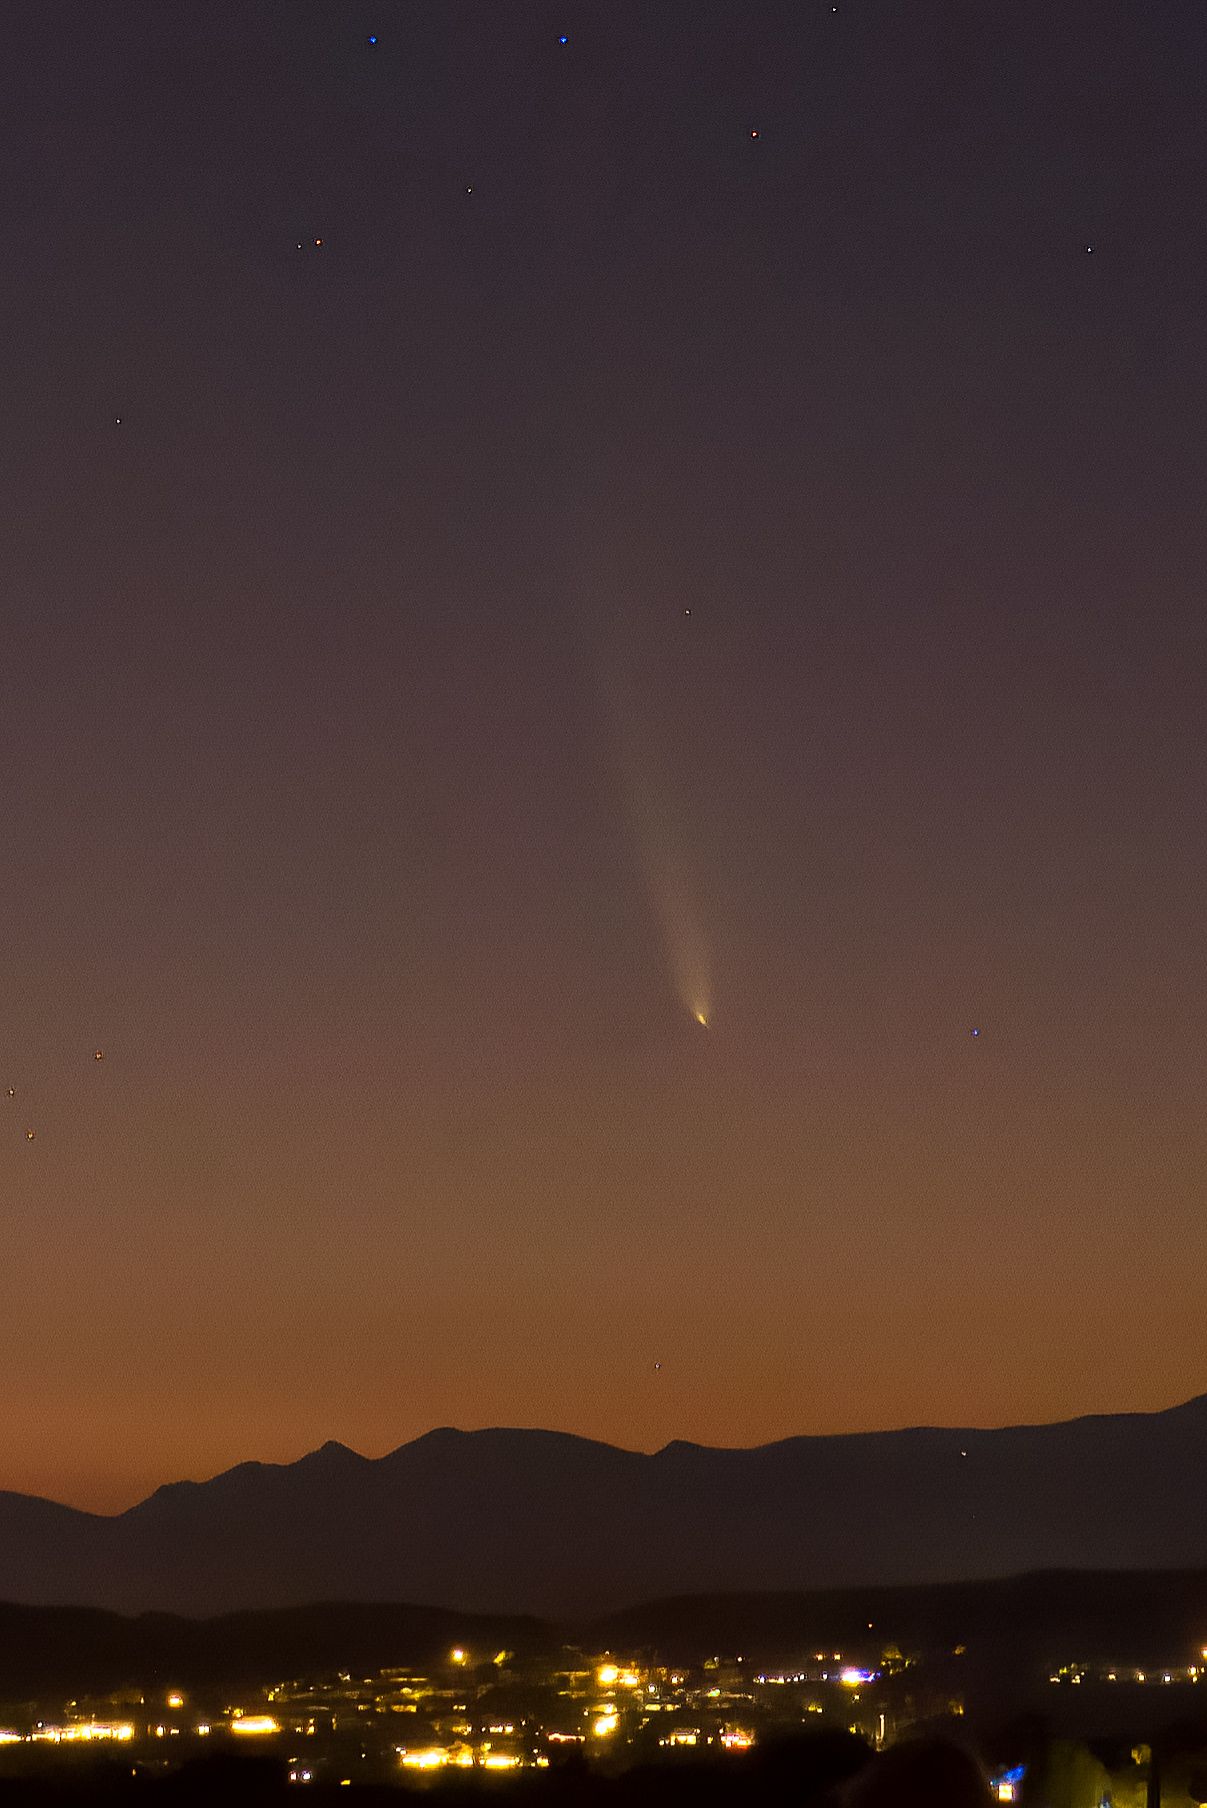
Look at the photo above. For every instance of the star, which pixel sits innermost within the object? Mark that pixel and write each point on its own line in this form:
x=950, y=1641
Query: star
x=29, y=1135
x=754, y=134
x=372, y=38
x=974, y=1032
x=563, y=39
x=98, y=1054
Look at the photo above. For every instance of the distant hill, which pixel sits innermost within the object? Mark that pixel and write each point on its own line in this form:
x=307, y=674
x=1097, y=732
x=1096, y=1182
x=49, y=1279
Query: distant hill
x=533, y=1522
x=79, y=1649
x=1148, y=1618
x=1011, y=1631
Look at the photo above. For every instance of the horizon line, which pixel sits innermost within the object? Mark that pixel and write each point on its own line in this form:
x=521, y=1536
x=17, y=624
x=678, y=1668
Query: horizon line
x=540, y=1431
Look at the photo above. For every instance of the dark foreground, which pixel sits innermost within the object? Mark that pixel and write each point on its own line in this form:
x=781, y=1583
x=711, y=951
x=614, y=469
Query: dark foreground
x=824, y=1769
x=940, y=1769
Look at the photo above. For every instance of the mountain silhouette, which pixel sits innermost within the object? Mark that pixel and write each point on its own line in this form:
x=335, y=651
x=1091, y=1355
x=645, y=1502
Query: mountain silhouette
x=538, y=1522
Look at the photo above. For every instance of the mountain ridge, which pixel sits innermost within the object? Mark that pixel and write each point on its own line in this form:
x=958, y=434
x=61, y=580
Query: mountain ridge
x=507, y=1520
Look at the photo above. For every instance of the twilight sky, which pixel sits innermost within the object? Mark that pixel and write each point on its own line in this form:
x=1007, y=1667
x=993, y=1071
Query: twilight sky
x=718, y=516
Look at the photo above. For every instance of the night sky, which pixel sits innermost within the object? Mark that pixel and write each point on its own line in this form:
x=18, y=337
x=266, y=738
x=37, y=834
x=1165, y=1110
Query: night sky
x=522, y=530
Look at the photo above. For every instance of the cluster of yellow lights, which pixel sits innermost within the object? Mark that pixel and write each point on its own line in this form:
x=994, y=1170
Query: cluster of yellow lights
x=437, y=1757
x=84, y=1730
x=175, y=1700
x=609, y=1676
x=431, y=1759
x=253, y=1725
x=607, y=1723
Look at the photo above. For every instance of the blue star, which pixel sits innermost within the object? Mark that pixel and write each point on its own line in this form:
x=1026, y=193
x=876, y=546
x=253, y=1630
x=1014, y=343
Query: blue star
x=373, y=40
x=976, y=1032
x=563, y=40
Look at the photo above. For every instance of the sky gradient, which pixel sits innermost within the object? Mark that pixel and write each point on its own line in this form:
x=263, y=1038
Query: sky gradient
x=725, y=496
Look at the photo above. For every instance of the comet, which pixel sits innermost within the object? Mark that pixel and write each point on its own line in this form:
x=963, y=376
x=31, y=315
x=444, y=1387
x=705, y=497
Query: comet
x=659, y=823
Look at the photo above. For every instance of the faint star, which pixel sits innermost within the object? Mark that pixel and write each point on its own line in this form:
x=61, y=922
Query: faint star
x=974, y=1032
x=29, y=1135
x=754, y=134
x=372, y=39
x=98, y=1054
x=563, y=40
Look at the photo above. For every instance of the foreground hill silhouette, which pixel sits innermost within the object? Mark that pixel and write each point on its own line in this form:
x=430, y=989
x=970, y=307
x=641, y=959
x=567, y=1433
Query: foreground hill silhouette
x=533, y=1522
x=1012, y=1631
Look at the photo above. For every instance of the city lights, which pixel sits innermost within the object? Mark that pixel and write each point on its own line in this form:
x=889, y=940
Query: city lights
x=608, y=1705
x=613, y=1707
x=83, y=1731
